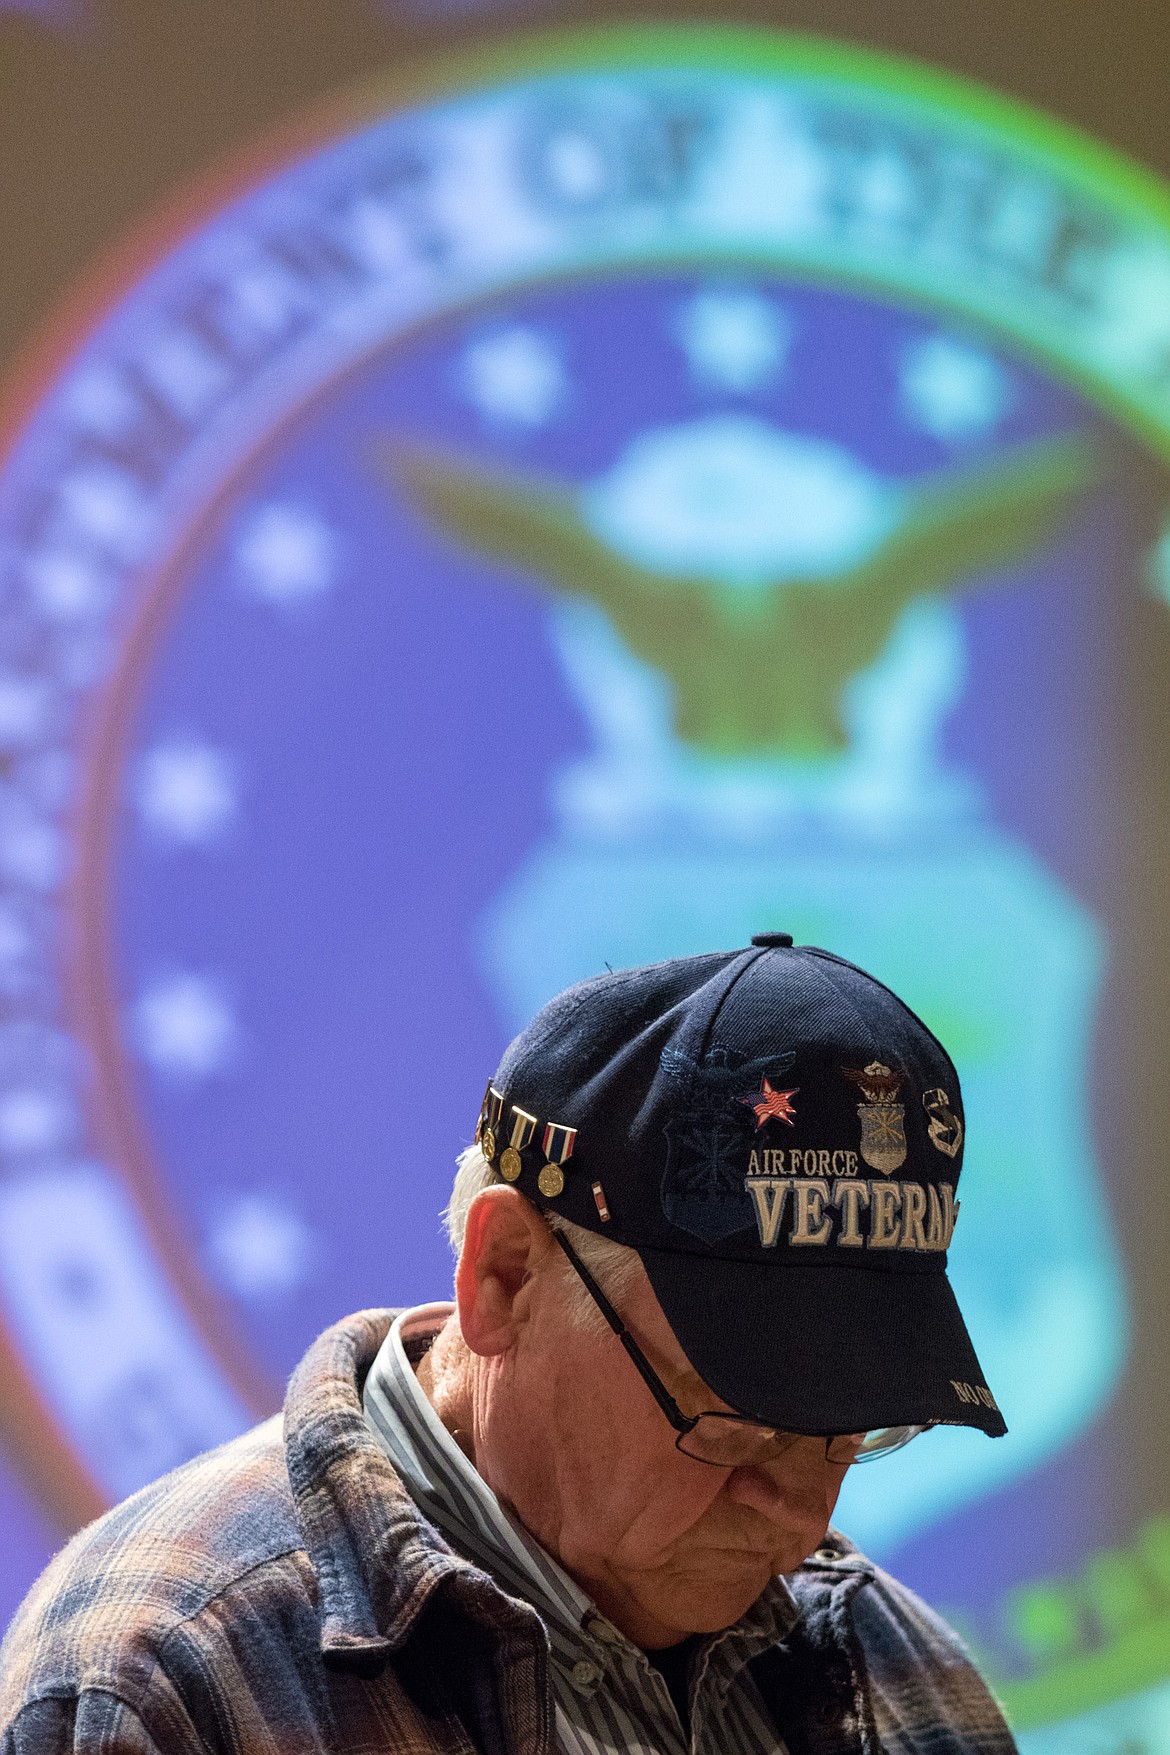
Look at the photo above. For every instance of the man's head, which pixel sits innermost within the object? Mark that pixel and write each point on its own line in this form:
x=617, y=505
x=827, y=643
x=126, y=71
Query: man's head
x=756, y=1152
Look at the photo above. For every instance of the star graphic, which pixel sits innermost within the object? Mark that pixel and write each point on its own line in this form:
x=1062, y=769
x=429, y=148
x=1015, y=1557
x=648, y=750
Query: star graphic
x=516, y=376
x=286, y=556
x=184, y=1026
x=770, y=1105
x=736, y=341
x=952, y=391
x=186, y=792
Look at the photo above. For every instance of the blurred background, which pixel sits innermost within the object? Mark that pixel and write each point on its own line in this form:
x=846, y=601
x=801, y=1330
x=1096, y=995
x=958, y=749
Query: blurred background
x=495, y=489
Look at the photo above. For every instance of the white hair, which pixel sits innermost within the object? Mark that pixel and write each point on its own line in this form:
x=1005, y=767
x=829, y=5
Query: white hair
x=614, y=1266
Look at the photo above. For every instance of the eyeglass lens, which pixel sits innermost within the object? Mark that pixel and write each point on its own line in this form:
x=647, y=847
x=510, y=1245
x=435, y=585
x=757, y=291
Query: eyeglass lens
x=728, y=1442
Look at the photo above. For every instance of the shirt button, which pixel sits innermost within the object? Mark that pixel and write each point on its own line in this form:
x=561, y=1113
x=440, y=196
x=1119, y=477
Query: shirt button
x=584, y=1674
x=602, y=1630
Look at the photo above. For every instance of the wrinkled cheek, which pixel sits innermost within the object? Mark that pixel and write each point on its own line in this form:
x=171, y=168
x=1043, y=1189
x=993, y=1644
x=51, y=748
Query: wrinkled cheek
x=587, y=1491
x=659, y=1526
x=834, y=1481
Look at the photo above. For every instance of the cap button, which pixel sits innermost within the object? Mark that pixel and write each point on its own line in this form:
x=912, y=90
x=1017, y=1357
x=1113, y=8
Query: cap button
x=772, y=941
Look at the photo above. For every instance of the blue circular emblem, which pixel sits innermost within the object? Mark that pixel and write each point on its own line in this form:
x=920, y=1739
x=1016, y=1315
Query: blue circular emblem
x=651, y=498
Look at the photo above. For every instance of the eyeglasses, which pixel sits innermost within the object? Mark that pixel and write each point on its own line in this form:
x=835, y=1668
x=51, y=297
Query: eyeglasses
x=731, y=1441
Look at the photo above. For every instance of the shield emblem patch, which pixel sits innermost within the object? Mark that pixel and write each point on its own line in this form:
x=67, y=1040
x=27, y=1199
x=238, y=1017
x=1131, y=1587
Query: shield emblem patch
x=883, y=1137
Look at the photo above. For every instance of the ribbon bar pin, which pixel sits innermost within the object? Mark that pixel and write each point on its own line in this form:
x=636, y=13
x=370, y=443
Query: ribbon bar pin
x=489, y=1121
x=494, y=1106
x=559, y=1142
x=523, y=1128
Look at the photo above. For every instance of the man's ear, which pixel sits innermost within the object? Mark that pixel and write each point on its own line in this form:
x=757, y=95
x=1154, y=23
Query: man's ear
x=505, y=1239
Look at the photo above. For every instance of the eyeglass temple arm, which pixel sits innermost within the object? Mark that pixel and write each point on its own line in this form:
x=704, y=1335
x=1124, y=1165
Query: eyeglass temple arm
x=680, y=1421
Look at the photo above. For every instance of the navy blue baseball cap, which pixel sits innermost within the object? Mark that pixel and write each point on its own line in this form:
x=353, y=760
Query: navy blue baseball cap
x=779, y=1138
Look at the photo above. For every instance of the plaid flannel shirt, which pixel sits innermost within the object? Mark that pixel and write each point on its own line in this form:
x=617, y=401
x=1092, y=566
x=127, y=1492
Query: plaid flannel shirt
x=284, y=1596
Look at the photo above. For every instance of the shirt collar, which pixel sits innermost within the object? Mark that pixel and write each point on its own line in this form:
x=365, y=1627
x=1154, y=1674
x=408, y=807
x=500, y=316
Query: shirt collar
x=376, y=1559
x=447, y=1487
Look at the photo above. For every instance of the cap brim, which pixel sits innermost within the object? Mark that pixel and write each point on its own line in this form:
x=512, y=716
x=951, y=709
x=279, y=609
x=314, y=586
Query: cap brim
x=824, y=1349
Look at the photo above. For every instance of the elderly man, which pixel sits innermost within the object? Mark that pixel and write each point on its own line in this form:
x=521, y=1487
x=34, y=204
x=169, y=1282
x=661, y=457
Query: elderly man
x=702, y=1246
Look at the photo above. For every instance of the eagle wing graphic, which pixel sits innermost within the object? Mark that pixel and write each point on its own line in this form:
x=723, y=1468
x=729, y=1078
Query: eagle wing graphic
x=755, y=671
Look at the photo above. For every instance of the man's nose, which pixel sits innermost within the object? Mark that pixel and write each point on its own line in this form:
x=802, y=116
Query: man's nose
x=799, y=1486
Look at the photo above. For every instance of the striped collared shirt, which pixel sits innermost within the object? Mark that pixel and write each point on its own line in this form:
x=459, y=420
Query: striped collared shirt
x=608, y=1696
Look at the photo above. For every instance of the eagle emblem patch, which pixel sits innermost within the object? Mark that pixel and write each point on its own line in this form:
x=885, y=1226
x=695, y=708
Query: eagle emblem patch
x=883, y=1137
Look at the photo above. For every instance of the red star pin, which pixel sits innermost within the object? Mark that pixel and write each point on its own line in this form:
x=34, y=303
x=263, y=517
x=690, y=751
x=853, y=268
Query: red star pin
x=771, y=1105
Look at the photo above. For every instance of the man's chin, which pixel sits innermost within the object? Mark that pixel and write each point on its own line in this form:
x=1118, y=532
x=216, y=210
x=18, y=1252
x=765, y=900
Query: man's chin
x=712, y=1593
x=718, y=1565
